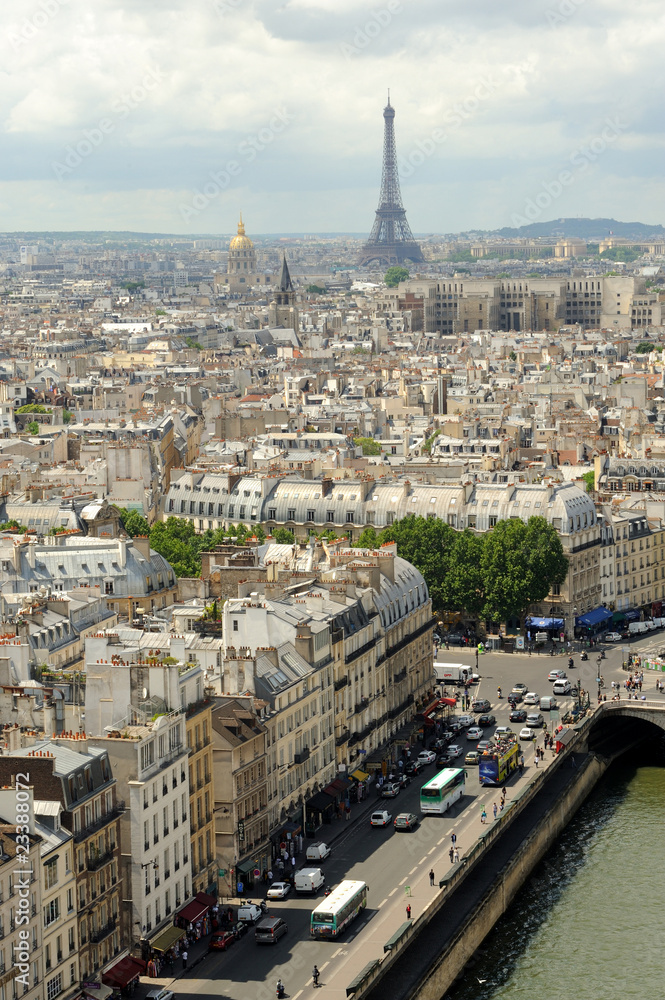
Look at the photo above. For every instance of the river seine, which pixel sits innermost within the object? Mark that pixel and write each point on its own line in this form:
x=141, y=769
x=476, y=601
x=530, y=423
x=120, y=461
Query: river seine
x=588, y=924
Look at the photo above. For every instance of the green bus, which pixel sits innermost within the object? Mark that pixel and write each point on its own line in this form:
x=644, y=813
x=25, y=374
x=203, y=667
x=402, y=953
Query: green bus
x=338, y=909
x=446, y=787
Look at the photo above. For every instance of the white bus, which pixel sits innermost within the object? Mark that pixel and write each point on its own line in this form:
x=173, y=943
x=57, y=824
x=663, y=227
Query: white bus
x=445, y=788
x=338, y=909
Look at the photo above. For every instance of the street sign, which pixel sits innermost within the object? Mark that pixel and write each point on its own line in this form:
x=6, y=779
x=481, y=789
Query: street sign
x=257, y=872
x=240, y=887
x=241, y=830
x=221, y=872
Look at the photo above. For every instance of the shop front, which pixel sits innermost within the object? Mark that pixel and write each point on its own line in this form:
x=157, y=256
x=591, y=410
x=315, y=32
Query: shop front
x=592, y=623
x=164, y=948
x=195, y=917
x=318, y=810
x=124, y=975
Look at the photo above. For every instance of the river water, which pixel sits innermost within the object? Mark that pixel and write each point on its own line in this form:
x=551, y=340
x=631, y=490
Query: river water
x=588, y=924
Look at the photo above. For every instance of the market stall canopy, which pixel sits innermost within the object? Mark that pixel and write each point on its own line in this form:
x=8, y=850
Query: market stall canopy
x=167, y=939
x=124, y=972
x=360, y=775
x=594, y=617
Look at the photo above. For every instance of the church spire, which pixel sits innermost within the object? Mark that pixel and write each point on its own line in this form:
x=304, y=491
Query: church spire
x=285, y=283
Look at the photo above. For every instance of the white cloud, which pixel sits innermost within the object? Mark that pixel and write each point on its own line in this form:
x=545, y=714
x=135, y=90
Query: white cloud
x=222, y=68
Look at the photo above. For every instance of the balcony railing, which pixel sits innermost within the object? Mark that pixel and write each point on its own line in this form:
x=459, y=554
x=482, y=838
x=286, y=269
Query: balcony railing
x=97, y=861
x=111, y=814
x=302, y=756
x=103, y=932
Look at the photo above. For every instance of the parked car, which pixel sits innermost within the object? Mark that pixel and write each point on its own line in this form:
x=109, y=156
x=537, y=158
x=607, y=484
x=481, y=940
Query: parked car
x=249, y=913
x=221, y=940
x=531, y=698
x=453, y=638
x=414, y=767
x=427, y=756
x=390, y=790
x=517, y=715
x=454, y=726
x=555, y=675
x=612, y=637
x=527, y=734
x=404, y=780
x=454, y=750
x=380, y=818
x=474, y=733
x=406, y=821
x=472, y=757
x=486, y=720
x=480, y=705
x=279, y=890
x=161, y=995
x=466, y=720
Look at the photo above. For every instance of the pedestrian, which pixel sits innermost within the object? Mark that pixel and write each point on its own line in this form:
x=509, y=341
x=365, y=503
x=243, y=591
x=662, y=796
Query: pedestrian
x=494, y=809
x=270, y=875
x=483, y=815
x=431, y=876
x=452, y=854
x=503, y=792
x=348, y=812
x=293, y=863
x=185, y=956
x=315, y=975
x=537, y=759
x=453, y=839
x=456, y=856
x=501, y=805
x=408, y=911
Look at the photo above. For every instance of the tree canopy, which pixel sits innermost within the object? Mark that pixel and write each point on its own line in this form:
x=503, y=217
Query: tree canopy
x=394, y=275
x=368, y=445
x=590, y=481
x=495, y=575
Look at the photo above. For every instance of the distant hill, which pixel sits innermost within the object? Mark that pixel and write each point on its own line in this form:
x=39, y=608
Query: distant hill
x=585, y=229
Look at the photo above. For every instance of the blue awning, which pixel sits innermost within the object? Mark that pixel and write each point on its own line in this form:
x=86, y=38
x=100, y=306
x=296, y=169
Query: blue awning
x=594, y=617
x=544, y=622
x=631, y=615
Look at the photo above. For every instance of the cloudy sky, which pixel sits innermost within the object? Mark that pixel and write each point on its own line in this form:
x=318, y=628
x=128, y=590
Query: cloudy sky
x=172, y=115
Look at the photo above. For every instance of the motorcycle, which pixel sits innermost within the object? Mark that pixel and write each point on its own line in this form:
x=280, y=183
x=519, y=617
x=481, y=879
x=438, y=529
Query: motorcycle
x=584, y=656
x=571, y=663
x=280, y=992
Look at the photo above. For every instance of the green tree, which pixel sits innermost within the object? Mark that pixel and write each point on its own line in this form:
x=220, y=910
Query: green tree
x=368, y=539
x=512, y=356
x=283, y=536
x=645, y=347
x=462, y=587
x=368, y=445
x=32, y=408
x=194, y=344
x=177, y=541
x=590, y=480
x=427, y=446
x=33, y=427
x=66, y=415
x=394, y=275
x=519, y=564
x=132, y=286
x=133, y=522
x=427, y=543
x=315, y=290
x=13, y=526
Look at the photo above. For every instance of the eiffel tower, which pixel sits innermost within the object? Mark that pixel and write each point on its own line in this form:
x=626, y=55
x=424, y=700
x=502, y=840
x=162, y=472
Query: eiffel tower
x=391, y=240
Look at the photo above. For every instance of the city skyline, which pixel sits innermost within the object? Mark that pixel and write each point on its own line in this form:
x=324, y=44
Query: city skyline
x=116, y=119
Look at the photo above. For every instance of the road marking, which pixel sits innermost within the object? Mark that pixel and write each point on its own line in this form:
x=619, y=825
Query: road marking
x=424, y=858
x=393, y=892
x=380, y=904
x=297, y=995
x=405, y=878
x=432, y=850
x=439, y=842
x=413, y=870
x=323, y=966
x=336, y=953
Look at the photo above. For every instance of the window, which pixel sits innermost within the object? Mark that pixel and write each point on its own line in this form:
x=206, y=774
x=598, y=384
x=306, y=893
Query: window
x=235, y=624
x=310, y=515
x=54, y=987
x=291, y=514
x=349, y=517
x=51, y=912
x=330, y=515
x=51, y=873
x=148, y=754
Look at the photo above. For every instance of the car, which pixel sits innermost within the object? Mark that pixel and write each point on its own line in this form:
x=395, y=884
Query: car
x=444, y=760
x=555, y=675
x=501, y=732
x=474, y=733
x=380, y=818
x=318, y=851
x=535, y=720
x=161, y=995
x=480, y=705
x=531, y=698
x=466, y=720
x=527, y=734
x=403, y=780
x=427, y=756
x=249, y=912
x=517, y=715
x=414, y=767
x=473, y=757
x=221, y=940
x=519, y=689
x=406, y=821
x=483, y=746
x=390, y=790
x=486, y=720
x=279, y=890
x=446, y=735
x=454, y=726
x=514, y=699
x=453, y=639
x=562, y=687
x=454, y=750
x=612, y=637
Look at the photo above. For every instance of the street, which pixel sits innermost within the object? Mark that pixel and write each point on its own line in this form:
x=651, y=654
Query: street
x=396, y=865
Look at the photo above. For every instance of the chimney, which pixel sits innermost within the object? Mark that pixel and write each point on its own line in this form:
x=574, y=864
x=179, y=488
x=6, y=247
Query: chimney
x=326, y=486
x=142, y=545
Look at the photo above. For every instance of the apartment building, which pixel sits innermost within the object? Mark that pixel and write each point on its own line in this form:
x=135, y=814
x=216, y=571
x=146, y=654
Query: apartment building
x=79, y=778
x=239, y=736
x=58, y=878
x=21, y=973
x=198, y=729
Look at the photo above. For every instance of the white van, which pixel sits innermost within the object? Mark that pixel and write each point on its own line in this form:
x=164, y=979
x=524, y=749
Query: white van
x=249, y=913
x=636, y=628
x=547, y=703
x=309, y=880
x=318, y=852
x=455, y=673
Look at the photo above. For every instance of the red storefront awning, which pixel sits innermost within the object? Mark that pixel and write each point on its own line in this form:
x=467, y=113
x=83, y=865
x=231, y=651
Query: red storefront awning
x=192, y=912
x=123, y=972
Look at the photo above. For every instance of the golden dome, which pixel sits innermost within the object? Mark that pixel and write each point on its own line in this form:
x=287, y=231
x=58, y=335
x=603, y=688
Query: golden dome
x=241, y=242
